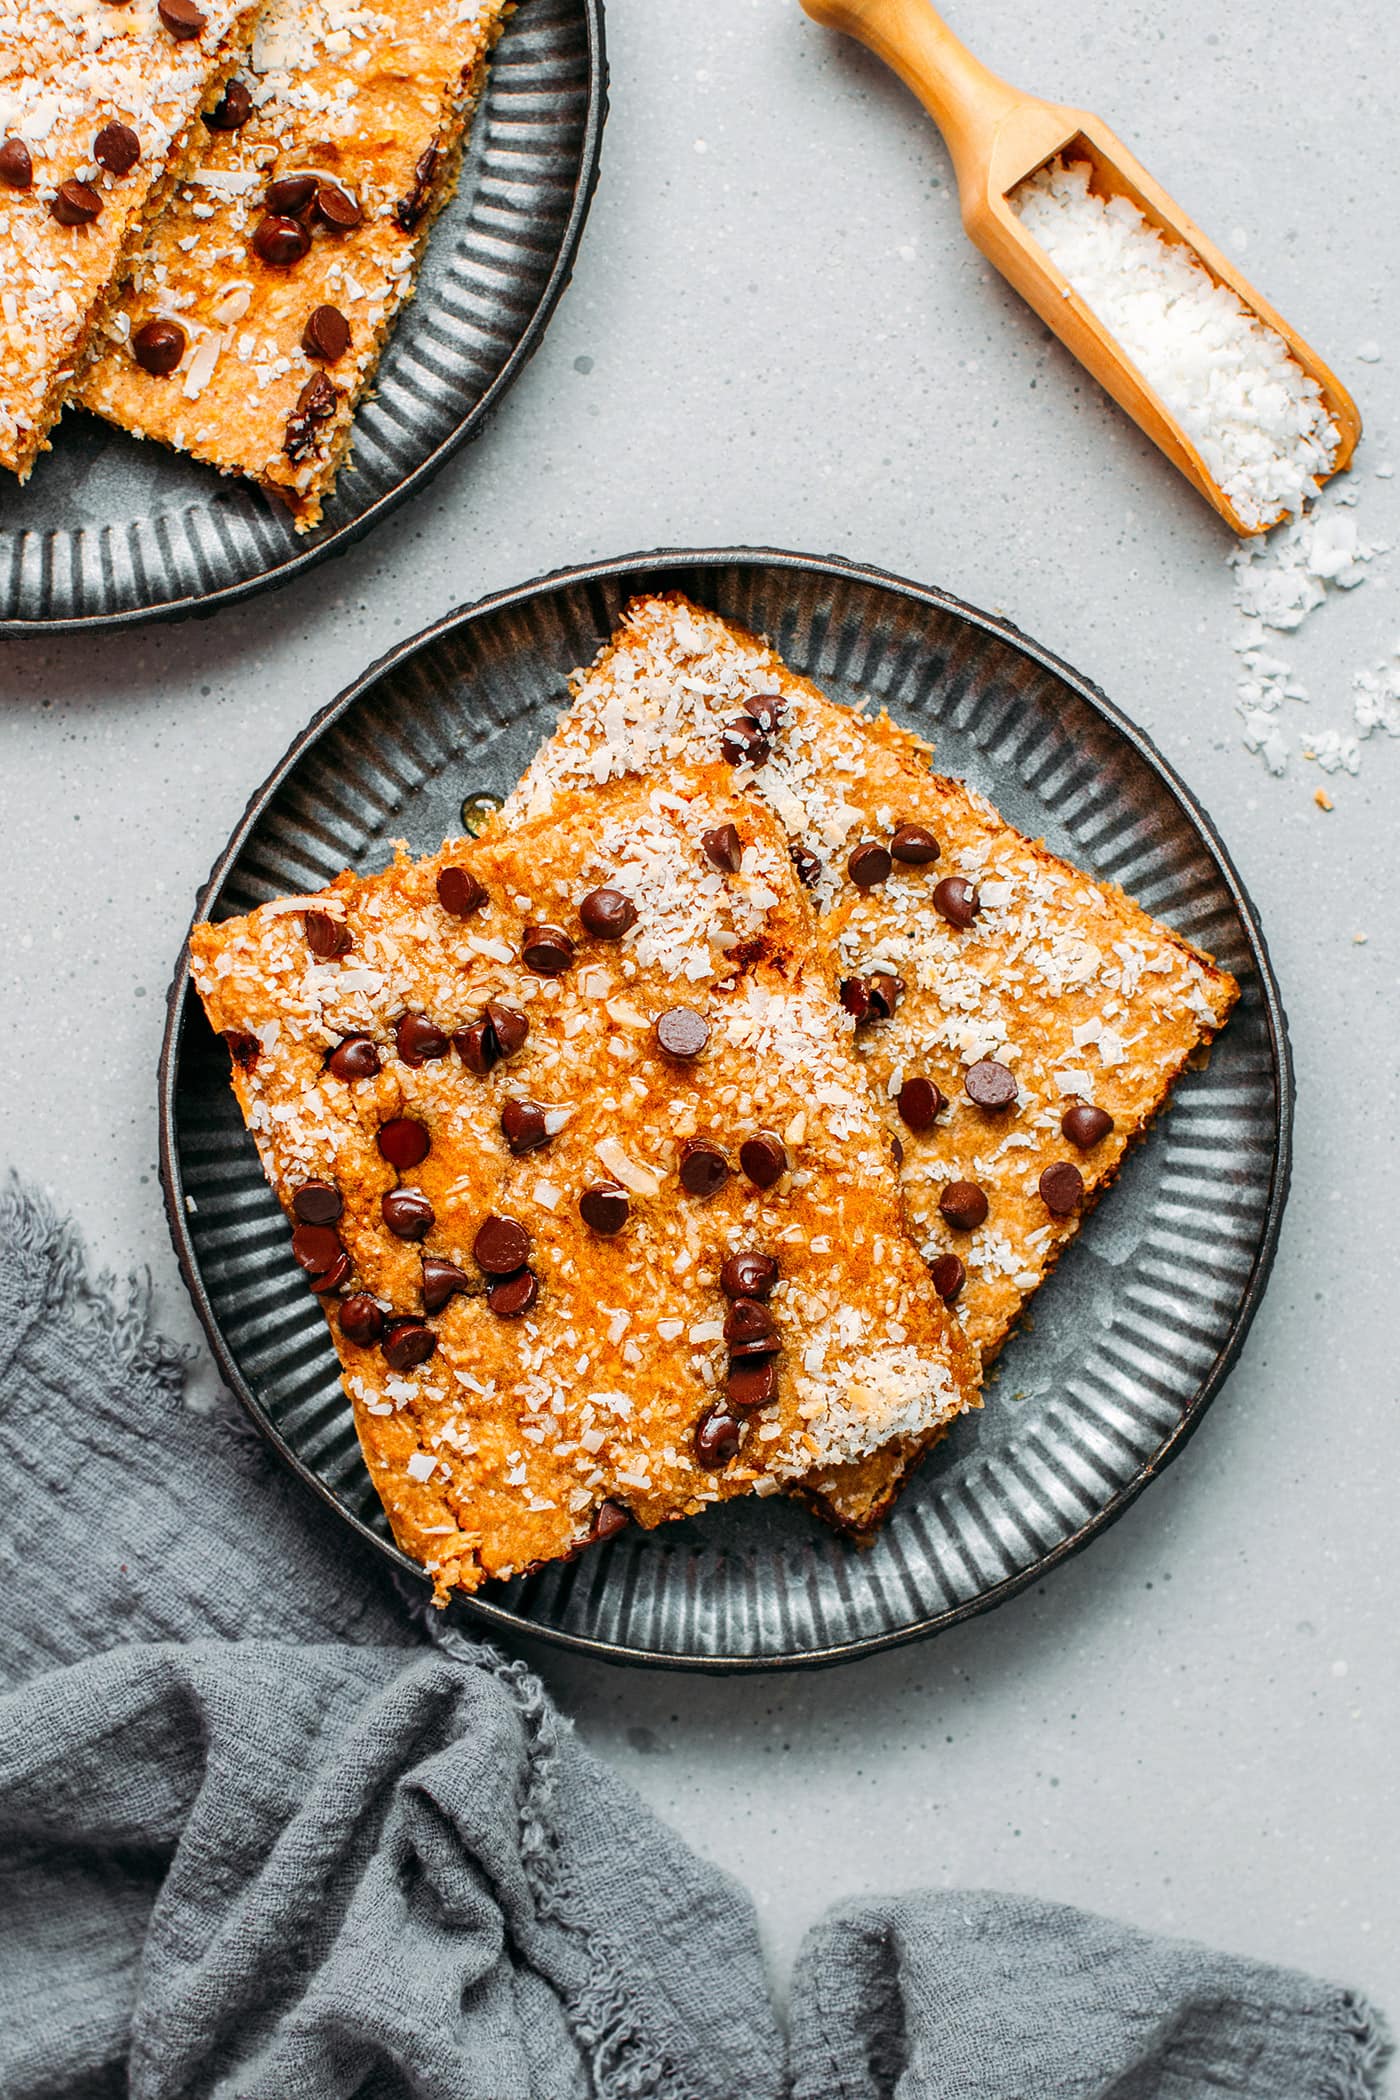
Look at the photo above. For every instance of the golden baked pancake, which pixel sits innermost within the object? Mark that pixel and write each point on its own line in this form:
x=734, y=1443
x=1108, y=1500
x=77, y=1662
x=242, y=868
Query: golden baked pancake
x=99, y=109
x=1020, y=1024
x=258, y=309
x=579, y=1155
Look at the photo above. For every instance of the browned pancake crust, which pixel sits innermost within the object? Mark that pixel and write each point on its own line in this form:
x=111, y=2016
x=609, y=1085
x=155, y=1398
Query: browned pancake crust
x=375, y=100
x=504, y=1447
x=1064, y=980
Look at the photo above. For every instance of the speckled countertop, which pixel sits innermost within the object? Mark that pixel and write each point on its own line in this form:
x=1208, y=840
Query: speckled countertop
x=777, y=334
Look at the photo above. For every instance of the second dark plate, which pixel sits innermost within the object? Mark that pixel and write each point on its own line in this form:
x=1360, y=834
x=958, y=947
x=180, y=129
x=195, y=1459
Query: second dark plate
x=109, y=530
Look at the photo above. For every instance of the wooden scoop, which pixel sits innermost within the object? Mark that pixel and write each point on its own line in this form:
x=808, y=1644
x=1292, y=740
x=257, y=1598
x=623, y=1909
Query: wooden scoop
x=997, y=137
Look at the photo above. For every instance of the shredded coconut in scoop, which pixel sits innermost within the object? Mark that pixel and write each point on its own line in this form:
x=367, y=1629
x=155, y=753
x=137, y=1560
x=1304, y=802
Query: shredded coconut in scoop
x=1255, y=416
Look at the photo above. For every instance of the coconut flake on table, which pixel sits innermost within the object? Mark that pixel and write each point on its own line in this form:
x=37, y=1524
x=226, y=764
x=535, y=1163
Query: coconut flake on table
x=1279, y=583
x=1255, y=416
x=1280, y=580
x=1331, y=749
x=1376, y=701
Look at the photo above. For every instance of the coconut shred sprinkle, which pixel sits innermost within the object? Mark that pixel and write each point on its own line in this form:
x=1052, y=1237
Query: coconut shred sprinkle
x=1255, y=416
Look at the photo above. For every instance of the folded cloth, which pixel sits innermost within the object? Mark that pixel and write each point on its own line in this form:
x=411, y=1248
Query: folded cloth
x=980, y=1996
x=262, y=1839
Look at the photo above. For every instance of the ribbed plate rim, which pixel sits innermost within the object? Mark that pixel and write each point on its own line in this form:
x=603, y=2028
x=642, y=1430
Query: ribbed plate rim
x=202, y=604
x=649, y=566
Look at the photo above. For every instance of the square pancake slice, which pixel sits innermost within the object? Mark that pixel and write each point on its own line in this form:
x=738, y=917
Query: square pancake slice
x=258, y=309
x=98, y=111
x=581, y=1161
x=1020, y=1024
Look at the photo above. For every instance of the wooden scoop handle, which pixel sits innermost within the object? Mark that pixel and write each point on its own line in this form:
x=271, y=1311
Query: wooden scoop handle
x=965, y=99
x=995, y=133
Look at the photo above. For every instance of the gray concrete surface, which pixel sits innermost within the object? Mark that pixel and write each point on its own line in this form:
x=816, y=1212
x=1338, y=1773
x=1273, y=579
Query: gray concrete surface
x=778, y=334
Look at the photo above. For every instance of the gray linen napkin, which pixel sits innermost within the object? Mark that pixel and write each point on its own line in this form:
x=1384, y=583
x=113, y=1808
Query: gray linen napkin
x=260, y=1839
x=980, y=1996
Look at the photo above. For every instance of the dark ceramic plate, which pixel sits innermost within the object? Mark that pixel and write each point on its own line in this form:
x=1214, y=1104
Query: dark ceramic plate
x=111, y=530
x=1133, y=1334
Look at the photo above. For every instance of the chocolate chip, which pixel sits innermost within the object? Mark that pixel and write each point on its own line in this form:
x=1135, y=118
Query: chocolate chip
x=957, y=900
x=703, y=1167
x=763, y=1158
x=868, y=864
x=743, y=742
x=336, y=208
x=751, y=1385
x=75, y=204
x=524, y=1126
x=326, y=937
x=288, y=196
x=244, y=1049
x=514, y=1295
x=914, y=846
x=749, y=1320
x=885, y=994
x=182, y=18
x=964, y=1204
x=989, y=1084
x=767, y=710
x=681, y=1032
x=1062, y=1188
x=316, y=403
x=419, y=1040
x=919, y=1103
x=442, y=1280
x=158, y=346
x=16, y=165
x=318, y=1203
x=232, y=110
x=280, y=242
x=459, y=891
x=607, y=914
x=354, y=1057
x=872, y=998
x=809, y=868
x=948, y=1276
x=326, y=334
x=855, y=996
x=408, y=1344
x=407, y=1213
x=717, y=1439
x=410, y=209
x=116, y=148
x=897, y=1150
x=499, y=1033
x=1086, y=1126
x=403, y=1142
x=547, y=950
x=604, y=1207
x=609, y=1519
x=476, y=1046
x=748, y=1276
x=332, y=1278
x=361, y=1320
x=724, y=849
x=316, y=1248
x=508, y=1025
x=501, y=1247
x=761, y=1345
